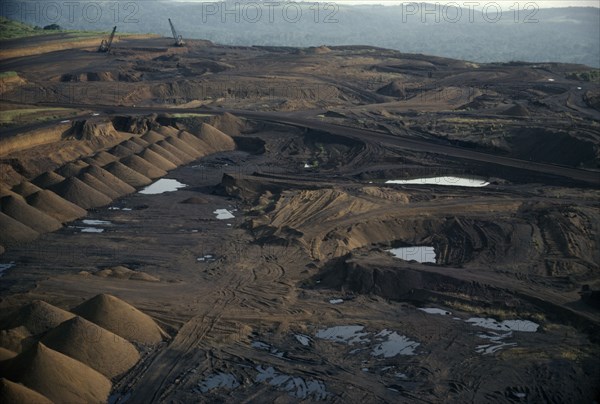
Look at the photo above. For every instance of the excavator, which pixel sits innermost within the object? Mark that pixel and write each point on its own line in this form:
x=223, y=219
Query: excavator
x=178, y=38
x=105, y=45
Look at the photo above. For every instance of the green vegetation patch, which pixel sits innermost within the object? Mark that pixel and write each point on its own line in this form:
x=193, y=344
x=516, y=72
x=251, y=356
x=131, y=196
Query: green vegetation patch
x=31, y=115
x=8, y=75
x=14, y=29
x=592, y=76
x=10, y=29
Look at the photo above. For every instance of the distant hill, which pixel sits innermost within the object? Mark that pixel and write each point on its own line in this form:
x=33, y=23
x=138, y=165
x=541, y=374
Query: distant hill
x=569, y=35
x=14, y=29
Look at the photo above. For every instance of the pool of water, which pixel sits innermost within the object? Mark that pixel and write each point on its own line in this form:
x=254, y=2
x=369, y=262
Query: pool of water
x=499, y=331
x=417, y=253
x=91, y=230
x=91, y=222
x=303, y=339
x=223, y=214
x=506, y=325
x=206, y=258
x=219, y=380
x=392, y=344
x=434, y=310
x=445, y=181
x=5, y=267
x=347, y=334
x=161, y=186
x=297, y=387
x=496, y=342
x=263, y=346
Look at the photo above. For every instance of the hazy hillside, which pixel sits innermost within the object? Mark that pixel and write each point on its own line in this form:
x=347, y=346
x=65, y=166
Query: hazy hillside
x=563, y=35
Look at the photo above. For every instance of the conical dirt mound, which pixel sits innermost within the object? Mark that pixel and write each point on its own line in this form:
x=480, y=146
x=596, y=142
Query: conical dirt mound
x=184, y=147
x=26, y=188
x=55, y=206
x=139, y=141
x=133, y=146
x=167, y=131
x=14, y=339
x=121, y=318
x=14, y=232
x=19, y=210
x=72, y=169
x=6, y=354
x=6, y=191
x=180, y=154
x=15, y=393
x=196, y=143
x=166, y=154
x=101, y=159
x=215, y=138
x=48, y=179
x=120, y=151
x=98, y=185
x=60, y=378
x=120, y=187
x=140, y=165
x=81, y=194
x=228, y=123
x=152, y=137
x=38, y=317
x=157, y=160
x=92, y=345
x=127, y=175
x=393, y=89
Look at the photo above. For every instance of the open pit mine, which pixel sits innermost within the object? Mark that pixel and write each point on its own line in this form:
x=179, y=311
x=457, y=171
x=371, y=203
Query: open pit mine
x=192, y=222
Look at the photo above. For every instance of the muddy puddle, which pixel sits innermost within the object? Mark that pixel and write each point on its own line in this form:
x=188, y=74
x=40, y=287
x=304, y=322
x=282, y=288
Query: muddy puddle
x=347, y=334
x=5, y=267
x=392, y=344
x=420, y=254
x=92, y=222
x=91, y=230
x=498, y=333
x=161, y=186
x=92, y=226
x=303, y=339
x=386, y=343
x=445, y=181
x=206, y=258
x=219, y=380
x=296, y=386
x=506, y=325
x=434, y=310
x=263, y=346
x=223, y=214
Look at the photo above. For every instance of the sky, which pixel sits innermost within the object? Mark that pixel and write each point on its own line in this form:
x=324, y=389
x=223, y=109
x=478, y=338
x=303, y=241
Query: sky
x=503, y=3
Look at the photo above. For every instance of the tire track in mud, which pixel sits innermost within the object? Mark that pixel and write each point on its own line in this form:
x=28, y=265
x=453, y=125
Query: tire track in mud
x=159, y=376
x=242, y=293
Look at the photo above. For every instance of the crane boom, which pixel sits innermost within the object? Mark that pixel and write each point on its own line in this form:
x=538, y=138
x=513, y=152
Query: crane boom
x=178, y=39
x=105, y=45
x=112, y=36
x=173, y=30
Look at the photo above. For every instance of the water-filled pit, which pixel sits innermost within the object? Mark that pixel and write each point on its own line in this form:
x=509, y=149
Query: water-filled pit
x=161, y=186
x=417, y=253
x=445, y=181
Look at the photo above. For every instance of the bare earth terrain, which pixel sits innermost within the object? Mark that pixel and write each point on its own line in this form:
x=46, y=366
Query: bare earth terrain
x=260, y=270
